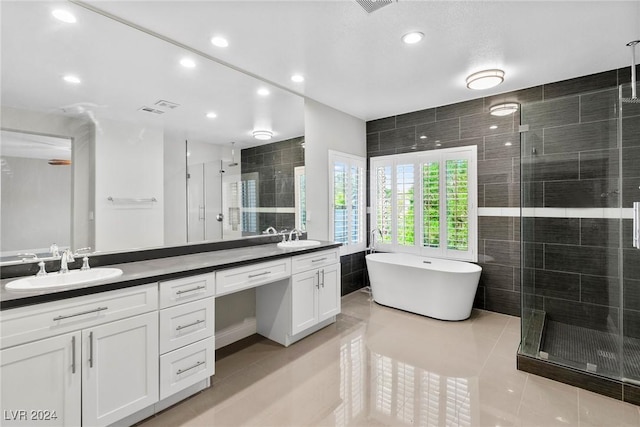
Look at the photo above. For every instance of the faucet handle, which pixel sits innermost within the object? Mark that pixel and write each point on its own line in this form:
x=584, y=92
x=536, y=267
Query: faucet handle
x=42, y=271
x=85, y=264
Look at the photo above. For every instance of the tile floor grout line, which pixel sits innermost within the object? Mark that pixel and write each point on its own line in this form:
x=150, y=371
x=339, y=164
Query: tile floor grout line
x=524, y=389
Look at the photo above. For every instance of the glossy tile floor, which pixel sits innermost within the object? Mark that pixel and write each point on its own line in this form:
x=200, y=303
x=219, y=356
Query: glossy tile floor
x=377, y=366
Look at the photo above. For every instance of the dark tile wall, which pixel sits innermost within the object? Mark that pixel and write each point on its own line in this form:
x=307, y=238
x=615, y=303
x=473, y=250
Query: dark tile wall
x=570, y=161
x=572, y=154
x=275, y=164
x=353, y=272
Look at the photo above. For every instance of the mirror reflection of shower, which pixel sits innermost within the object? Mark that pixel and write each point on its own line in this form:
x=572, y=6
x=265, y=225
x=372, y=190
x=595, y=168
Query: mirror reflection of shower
x=213, y=197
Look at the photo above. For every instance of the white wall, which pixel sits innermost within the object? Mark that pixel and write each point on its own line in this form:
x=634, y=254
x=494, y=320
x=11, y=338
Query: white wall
x=326, y=129
x=175, y=183
x=129, y=163
x=27, y=184
x=81, y=131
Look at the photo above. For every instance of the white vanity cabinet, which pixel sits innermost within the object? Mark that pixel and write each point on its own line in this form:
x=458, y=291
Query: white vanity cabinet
x=41, y=382
x=288, y=311
x=187, y=343
x=90, y=360
x=315, y=297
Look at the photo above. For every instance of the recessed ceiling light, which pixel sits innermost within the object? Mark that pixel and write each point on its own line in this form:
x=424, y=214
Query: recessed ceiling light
x=211, y=115
x=492, y=127
x=423, y=137
x=413, y=37
x=219, y=41
x=64, y=16
x=503, y=109
x=508, y=144
x=263, y=91
x=298, y=78
x=188, y=63
x=438, y=145
x=71, y=79
x=485, y=79
x=262, y=135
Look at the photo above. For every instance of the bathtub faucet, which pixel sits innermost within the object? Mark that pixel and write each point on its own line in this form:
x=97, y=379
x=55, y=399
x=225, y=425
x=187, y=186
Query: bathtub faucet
x=372, y=243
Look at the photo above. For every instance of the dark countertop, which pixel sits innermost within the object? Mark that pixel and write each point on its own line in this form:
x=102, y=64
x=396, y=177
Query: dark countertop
x=149, y=271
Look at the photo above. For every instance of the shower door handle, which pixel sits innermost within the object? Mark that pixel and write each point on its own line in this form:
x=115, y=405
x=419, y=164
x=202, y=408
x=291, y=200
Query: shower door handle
x=636, y=225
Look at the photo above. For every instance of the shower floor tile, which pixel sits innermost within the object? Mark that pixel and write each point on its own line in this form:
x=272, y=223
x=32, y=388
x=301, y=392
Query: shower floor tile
x=578, y=346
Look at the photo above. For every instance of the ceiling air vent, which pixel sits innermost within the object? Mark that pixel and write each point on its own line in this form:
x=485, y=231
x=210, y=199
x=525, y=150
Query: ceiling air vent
x=151, y=110
x=371, y=6
x=167, y=105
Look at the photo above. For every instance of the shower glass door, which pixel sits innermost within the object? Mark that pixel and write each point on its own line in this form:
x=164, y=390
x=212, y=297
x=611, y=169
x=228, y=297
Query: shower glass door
x=629, y=141
x=576, y=183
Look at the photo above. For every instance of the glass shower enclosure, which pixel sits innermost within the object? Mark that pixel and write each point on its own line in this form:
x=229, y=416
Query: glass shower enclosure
x=580, y=274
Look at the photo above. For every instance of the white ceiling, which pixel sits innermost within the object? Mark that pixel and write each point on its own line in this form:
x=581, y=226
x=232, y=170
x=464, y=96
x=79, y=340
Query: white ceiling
x=352, y=61
x=355, y=62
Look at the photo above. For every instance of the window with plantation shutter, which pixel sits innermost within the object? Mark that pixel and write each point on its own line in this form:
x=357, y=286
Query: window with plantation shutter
x=425, y=202
x=346, y=192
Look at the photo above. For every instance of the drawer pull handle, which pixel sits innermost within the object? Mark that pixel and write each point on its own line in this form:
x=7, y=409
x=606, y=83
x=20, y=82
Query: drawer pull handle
x=189, y=325
x=197, y=288
x=259, y=274
x=180, y=371
x=80, y=314
x=319, y=259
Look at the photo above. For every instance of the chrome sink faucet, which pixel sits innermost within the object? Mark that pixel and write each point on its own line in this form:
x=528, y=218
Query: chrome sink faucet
x=270, y=230
x=67, y=256
x=297, y=233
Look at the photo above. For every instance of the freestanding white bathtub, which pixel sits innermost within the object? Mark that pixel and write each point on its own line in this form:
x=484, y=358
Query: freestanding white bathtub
x=438, y=288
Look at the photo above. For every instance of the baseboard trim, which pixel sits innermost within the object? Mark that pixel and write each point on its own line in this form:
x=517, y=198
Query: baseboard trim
x=236, y=332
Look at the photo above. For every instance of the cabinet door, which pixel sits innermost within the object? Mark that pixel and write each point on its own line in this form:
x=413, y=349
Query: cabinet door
x=41, y=382
x=120, y=369
x=329, y=292
x=304, y=306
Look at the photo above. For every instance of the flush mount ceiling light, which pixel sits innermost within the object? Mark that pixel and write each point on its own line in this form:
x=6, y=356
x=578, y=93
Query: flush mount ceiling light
x=71, y=79
x=219, y=41
x=297, y=78
x=211, y=115
x=188, y=63
x=262, y=135
x=503, y=109
x=413, y=37
x=263, y=91
x=64, y=16
x=485, y=79
x=423, y=136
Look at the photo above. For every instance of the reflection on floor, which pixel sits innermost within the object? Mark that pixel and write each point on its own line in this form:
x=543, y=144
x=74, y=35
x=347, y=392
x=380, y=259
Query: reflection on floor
x=378, y=366
x=585, y=348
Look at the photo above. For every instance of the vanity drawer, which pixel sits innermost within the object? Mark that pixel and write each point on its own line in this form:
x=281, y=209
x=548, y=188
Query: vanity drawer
x=313, y=260
x=186, y=366
x=235, y=279
x=187, y=289
x=24, y=324
x=186, y=323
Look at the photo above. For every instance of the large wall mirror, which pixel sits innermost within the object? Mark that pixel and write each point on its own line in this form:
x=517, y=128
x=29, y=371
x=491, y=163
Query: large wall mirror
x=157, y=137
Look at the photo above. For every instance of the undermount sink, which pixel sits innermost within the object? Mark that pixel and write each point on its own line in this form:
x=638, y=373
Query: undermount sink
x=56, y=280
x=297, y=244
